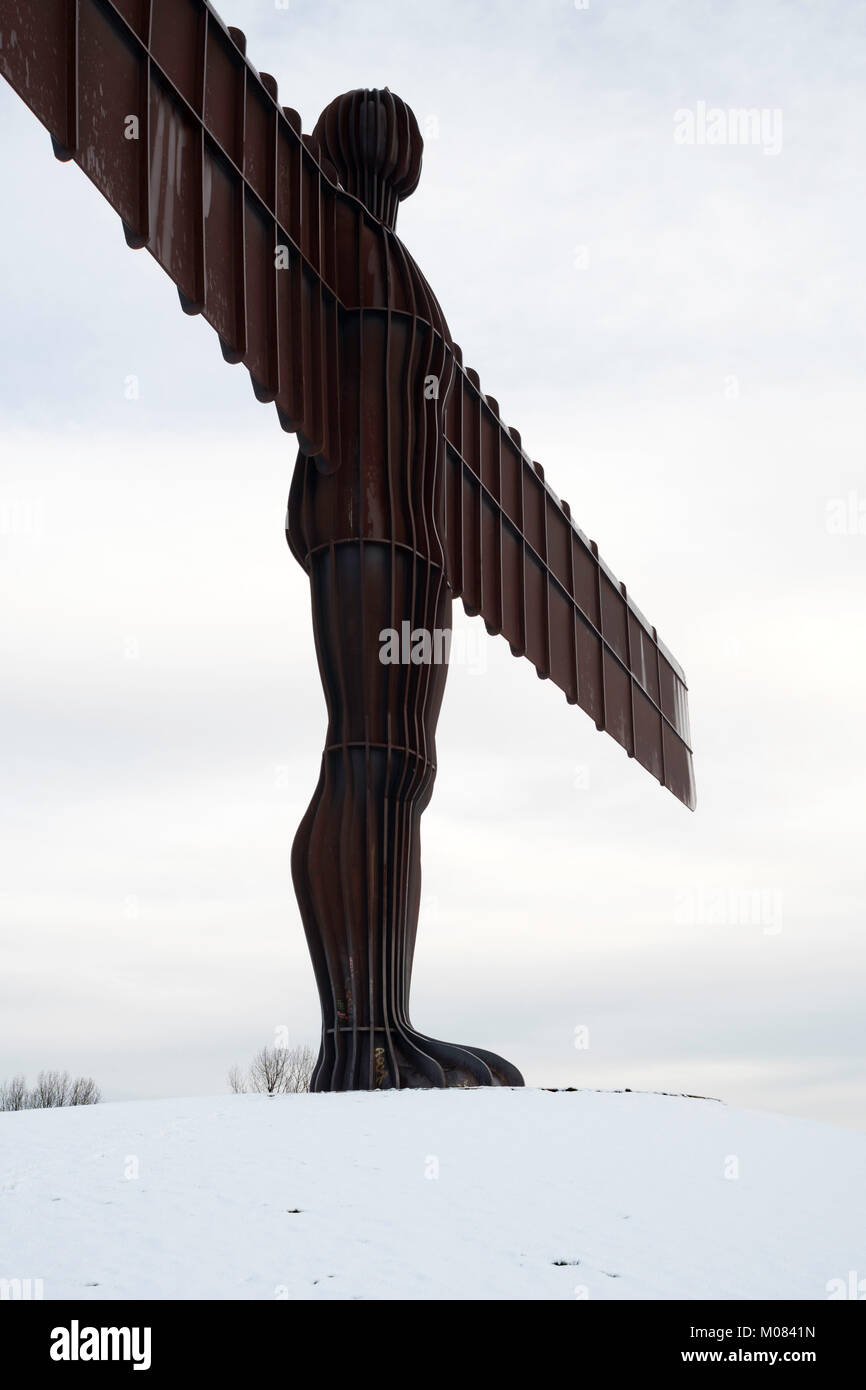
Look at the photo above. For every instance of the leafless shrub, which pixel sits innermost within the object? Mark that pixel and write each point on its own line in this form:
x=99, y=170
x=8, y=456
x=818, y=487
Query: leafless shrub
x=13, y=1094
x=275, y=1071
x=267, y=1070
x=298, y=1074
x=52, y=1090
x=237, y=1081
x=85, y=1091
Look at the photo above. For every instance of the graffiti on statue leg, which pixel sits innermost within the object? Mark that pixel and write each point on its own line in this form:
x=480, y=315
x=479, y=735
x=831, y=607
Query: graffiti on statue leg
x=380, y=1065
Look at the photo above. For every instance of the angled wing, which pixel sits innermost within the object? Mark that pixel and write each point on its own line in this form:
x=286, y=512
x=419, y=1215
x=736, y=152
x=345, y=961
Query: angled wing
x=516, y=557
x=157, y=103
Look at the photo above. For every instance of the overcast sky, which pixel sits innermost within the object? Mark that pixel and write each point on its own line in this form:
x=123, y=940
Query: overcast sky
x=676, y=328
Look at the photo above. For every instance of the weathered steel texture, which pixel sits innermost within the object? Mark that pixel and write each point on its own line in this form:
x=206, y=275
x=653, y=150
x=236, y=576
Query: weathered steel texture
x=517, y=558
x=369, y=532
x=402, y=495
x=212, y=180
x=218, y=179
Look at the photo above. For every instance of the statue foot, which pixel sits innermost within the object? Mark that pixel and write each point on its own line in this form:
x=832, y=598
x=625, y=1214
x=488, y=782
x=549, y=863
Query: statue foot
x=403, y=1058
x=485, y=1068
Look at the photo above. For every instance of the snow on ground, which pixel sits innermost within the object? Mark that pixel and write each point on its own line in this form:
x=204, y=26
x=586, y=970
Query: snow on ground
x=429, y=1194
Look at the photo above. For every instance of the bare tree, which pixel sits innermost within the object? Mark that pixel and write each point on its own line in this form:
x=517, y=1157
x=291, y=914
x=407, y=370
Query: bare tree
x=52, y=1089
x=237, y=1081
x=84, y=1092
x=13, y=1094
x=267, y=1070
x=276, y=1071
x=300, y=1062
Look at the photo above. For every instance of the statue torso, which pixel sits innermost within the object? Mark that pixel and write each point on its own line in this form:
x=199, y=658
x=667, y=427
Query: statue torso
x=396, y=369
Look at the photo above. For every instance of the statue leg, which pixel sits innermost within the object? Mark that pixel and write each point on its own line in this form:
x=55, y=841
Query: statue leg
x=356, y=857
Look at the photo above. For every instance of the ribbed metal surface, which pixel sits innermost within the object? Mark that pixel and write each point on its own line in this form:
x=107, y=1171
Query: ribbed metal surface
x=408, y=488
x=516, y=557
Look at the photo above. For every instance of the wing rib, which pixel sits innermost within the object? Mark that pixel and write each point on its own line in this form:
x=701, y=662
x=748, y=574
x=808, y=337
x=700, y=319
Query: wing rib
x=516, y=557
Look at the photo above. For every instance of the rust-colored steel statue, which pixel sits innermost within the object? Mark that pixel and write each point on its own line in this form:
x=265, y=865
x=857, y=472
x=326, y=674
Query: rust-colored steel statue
x=369, y=529
x=408, y=489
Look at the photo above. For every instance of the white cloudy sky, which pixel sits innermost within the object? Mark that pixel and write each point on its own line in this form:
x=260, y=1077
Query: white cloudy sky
x=677, y=332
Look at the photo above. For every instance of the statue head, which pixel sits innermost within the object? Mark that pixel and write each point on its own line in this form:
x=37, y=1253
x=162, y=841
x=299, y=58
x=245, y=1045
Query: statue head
x=372, y=139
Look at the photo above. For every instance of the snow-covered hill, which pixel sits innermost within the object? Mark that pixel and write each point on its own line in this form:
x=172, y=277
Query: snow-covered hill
x=430, y=1194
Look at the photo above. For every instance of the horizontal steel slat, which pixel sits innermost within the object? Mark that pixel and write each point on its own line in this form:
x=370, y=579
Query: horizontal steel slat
x=559, y=604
